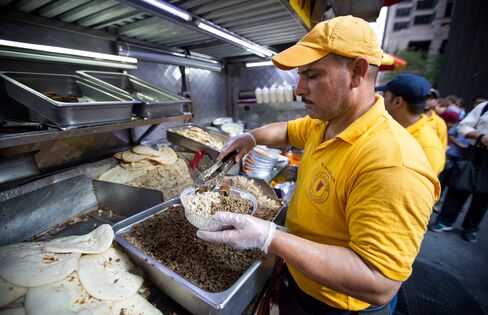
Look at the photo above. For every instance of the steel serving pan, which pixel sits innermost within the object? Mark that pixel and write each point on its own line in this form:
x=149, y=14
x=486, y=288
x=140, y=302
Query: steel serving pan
x=153, y=101
x=230, y=301
x=95, y=104
x=193, y=145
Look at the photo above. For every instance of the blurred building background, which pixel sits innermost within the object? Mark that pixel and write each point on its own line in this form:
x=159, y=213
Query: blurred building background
x=420, y=25
x=444, y=40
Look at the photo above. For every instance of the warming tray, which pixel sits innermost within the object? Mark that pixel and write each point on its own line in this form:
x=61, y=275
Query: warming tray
x=96, y=104
x=231, y=301
x=193, y=145
x=153, y=101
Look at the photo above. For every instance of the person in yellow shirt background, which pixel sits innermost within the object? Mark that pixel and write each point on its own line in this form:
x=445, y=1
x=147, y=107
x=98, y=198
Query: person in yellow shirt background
x=434, y=120
x=405, y=98
x=365, y=189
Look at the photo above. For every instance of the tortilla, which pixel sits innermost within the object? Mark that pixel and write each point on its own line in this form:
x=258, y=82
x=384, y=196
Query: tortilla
x=118, y=155
x=143, y=165
x=141, y=149
x=7, y=249
x=117, y=175
x=106, y=276
x=167, y=156
x=124, y=164
x=129, y=156
x=67, y=296
x=29, y=266
x=10, y=292
x=135, y=305
x=95, y=242
x=13, y=311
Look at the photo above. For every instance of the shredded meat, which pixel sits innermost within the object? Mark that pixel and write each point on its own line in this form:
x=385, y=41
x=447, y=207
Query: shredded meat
x=169, y=238
x=267, y=207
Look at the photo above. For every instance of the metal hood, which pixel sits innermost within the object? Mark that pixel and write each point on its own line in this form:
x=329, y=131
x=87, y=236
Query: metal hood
x=267, y=23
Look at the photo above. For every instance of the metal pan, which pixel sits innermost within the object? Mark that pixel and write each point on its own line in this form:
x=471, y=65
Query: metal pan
x=231, y=301
x=95, y=104
x=193, y=145
x=153, y=101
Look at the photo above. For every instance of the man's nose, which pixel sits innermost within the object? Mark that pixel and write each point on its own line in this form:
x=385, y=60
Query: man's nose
x=301, y=88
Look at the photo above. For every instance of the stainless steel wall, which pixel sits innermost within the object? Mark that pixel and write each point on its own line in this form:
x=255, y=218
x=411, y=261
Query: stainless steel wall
x=242, y=79
x=207, y=89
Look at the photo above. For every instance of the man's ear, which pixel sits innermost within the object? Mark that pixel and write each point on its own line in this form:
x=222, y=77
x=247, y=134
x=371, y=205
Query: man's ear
x=359, y=70
x=398, y=102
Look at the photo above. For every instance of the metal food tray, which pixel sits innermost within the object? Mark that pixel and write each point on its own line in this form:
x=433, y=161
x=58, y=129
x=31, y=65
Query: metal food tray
x=98, y=104
x=194, y=145
x=162, y=103
x=231, y=301
x=39, y=207
x=17, y=167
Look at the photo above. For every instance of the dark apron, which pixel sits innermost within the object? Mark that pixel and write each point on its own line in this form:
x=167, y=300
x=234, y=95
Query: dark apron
x=294, y=301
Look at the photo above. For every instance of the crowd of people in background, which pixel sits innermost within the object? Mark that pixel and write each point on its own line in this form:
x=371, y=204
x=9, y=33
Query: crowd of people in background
x=465, y=130
x=448, y=135
x=457, y=133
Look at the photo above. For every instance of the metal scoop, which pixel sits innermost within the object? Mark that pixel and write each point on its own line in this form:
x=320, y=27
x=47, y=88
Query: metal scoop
x=215, y=173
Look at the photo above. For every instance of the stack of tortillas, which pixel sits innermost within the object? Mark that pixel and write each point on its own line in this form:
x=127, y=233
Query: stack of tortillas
x=70, y=275
x=136, y=162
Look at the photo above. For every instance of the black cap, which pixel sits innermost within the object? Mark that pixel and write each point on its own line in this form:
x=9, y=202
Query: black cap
x=413, y=88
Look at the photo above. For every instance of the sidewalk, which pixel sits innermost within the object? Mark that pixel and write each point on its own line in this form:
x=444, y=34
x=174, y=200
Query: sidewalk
x=468, y=261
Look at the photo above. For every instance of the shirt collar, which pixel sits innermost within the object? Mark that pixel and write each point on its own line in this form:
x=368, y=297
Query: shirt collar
x=364, y=122
x=416, y=126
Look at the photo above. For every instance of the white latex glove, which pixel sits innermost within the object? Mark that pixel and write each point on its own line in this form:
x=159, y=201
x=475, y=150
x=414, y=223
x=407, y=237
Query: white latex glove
x=243, y=143
x=248, y=232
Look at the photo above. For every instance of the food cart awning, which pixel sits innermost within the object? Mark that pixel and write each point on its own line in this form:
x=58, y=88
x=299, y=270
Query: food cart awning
x=392, y=62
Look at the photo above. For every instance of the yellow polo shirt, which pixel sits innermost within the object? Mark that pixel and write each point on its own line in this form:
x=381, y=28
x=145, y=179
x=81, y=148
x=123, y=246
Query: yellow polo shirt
x=370, y=189
x=439, y=126
x=430, y=143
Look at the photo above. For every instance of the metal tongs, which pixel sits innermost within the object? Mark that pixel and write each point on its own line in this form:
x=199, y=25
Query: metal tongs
x=212, y=176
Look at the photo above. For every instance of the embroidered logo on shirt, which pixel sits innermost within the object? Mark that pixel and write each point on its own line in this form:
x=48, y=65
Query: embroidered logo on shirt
x=319, y=188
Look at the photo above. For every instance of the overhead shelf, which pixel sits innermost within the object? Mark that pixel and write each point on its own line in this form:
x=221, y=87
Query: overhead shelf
x=12, y=140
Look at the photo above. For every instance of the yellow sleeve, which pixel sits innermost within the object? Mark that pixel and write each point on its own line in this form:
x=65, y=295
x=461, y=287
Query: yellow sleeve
x=298, y=131
x=387, y=212
x=442, y=132
x=436, y=157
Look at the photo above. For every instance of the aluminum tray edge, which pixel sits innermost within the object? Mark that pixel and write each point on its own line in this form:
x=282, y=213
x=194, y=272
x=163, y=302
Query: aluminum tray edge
x=183, y=291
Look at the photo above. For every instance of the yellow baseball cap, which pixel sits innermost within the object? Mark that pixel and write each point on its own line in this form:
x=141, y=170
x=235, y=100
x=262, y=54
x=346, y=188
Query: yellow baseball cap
x=347, y=36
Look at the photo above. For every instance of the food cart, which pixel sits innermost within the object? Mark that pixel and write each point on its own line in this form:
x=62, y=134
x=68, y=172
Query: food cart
x=84, y=84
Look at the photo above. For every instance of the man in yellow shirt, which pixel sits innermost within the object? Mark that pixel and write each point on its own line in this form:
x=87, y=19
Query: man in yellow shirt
x=405, y=98
x=434, y=120
x=365, y=189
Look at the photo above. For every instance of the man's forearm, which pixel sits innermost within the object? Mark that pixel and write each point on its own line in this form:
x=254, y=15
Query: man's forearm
x=473, y=134
x=335, y=267
x=275, y=134
x=456, y=142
